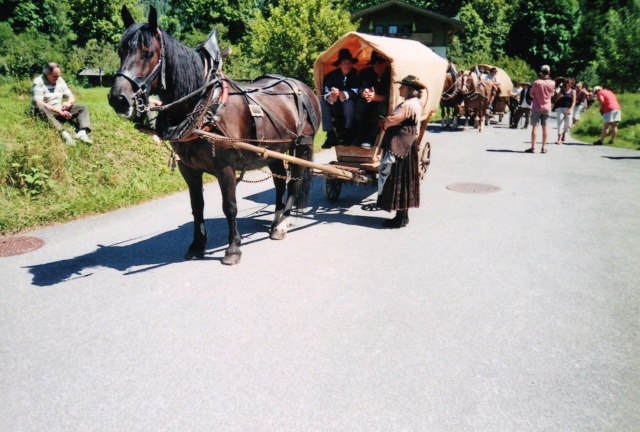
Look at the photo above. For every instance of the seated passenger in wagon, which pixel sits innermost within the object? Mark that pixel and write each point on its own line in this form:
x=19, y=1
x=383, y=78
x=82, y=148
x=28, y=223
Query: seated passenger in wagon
x=373, y=103
x=340, y=89
x=493, y=77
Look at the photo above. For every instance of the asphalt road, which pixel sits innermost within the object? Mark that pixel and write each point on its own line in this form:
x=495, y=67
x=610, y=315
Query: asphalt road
x=515, y=310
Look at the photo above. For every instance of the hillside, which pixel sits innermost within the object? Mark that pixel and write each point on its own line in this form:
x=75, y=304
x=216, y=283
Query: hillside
x=42, y=180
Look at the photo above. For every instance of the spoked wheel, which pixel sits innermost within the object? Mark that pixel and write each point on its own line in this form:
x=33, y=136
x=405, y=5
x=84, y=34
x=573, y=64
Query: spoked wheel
x=425, y=159
x=332, y=189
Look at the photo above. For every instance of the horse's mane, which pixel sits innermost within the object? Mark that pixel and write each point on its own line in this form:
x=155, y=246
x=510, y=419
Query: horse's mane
x=184, y=71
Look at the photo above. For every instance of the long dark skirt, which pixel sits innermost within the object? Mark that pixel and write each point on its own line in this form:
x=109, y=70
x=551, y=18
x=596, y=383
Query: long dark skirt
x=401, y=191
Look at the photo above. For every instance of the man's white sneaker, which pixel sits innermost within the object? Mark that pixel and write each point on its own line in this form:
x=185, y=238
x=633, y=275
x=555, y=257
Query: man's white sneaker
x=82, y=136
x=67, y=138
x=365, y=145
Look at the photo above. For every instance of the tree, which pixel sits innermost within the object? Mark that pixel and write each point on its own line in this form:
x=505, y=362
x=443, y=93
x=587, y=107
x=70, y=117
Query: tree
x=542, y=34
x=47, y=17
x=203, y=15
x=473, y=44
x=618, y=52
x=100, y=19
x=295, y=33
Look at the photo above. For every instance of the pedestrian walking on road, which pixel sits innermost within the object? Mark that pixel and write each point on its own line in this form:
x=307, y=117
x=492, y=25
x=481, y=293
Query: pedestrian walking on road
x=541, y=91
x=564, y=109
x=611, y=113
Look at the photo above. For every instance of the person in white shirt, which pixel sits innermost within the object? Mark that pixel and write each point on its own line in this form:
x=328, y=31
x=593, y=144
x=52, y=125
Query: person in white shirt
x=49, y=92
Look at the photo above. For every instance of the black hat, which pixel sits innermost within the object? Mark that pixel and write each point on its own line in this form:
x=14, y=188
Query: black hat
x=411, y=81
x=377, y=58
x=345, y=54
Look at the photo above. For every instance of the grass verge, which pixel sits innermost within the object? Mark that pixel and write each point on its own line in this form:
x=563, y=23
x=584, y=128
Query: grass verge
x=43, y=181
x=589, y=128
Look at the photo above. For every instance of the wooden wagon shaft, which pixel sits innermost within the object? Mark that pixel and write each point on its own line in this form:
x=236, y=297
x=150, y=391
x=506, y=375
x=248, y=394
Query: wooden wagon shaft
x=333, y=171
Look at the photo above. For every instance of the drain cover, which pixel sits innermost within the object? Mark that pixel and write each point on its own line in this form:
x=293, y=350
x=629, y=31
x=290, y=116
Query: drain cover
x=472, y=188
x=18, y=245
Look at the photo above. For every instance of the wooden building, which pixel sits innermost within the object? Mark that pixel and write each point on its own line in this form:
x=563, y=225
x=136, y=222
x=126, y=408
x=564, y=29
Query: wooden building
x=97, y=77
x=395, y=18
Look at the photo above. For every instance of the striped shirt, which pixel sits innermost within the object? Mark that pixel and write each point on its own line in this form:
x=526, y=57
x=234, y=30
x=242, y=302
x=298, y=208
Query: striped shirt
x=50, y=94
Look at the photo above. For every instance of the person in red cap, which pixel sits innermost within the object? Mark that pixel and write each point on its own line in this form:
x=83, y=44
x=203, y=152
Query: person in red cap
x=611, y=113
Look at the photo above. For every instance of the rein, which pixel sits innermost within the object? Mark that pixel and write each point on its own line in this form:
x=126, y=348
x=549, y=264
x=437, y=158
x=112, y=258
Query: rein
x=446, y=96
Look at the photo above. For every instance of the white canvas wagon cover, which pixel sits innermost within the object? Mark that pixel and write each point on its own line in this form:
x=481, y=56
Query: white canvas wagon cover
x=407, y=57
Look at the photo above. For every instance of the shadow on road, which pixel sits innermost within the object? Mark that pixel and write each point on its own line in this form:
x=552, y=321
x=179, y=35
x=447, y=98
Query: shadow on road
x=152, y=251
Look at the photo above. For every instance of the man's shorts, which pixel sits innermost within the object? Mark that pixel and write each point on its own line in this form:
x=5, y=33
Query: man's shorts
x=539, y=117
x=612, y=116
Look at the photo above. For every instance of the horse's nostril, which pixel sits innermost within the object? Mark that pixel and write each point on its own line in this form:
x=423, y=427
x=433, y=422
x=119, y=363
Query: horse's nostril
x=118, y=102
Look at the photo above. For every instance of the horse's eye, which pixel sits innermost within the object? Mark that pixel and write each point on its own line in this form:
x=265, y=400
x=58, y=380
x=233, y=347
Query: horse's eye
x=147, y=55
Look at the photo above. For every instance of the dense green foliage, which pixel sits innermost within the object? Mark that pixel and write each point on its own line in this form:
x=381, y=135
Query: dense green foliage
x=285, y=36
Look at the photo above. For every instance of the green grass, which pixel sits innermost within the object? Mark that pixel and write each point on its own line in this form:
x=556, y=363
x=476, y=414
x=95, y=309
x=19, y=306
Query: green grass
x=43, y=181
x=589, y=128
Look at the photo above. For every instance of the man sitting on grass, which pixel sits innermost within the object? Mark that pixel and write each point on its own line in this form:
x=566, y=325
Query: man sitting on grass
x=48, y=92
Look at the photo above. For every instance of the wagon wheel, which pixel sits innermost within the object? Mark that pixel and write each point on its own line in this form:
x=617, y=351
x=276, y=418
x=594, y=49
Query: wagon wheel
x=332, y=189
x=425, y=159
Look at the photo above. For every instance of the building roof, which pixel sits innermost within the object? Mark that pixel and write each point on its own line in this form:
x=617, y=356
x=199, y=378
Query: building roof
x=92, y=72
x=454, y=22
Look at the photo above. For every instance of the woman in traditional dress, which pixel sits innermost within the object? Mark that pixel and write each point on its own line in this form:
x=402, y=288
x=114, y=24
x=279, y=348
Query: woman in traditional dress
x=399, y=175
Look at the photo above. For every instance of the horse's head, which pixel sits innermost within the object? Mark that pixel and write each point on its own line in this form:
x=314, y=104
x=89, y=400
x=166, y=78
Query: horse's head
x=468, y=82
x=141, y=70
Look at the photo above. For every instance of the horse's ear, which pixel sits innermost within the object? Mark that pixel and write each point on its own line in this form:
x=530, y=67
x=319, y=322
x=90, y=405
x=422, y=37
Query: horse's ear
x=126, y=17
x=153, y=19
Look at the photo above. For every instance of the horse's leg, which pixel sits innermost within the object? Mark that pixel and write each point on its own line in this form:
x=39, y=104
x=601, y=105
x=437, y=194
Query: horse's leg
x=227, y=182
x=298, y=189
x=279, y=225
x=194, y=181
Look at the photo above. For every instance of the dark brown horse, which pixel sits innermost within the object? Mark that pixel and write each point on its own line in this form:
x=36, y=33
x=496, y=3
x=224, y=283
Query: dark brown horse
x=273, y=112
x=476, y=97
x=451, y=99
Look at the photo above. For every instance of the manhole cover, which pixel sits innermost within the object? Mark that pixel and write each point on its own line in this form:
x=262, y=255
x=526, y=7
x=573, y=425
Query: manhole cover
x=18, y=245
x=472, y=188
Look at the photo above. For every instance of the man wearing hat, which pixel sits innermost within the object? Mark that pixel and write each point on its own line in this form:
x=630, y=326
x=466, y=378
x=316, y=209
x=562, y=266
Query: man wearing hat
x=524, y=109
x=611, y=113
x=541, y=91
x=373, y=102
x=399, y=171
x=340, y=93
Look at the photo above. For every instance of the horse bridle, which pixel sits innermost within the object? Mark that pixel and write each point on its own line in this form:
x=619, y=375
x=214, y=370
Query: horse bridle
x=142, y=86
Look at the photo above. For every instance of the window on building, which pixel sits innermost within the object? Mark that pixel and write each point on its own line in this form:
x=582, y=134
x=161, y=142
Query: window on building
x=379, y=29
x=393, y=29
x=407, y=29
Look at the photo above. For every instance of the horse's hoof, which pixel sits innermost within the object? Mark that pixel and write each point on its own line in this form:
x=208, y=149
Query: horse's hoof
x=277, y=235
x=231, y=258
x=194, y=255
